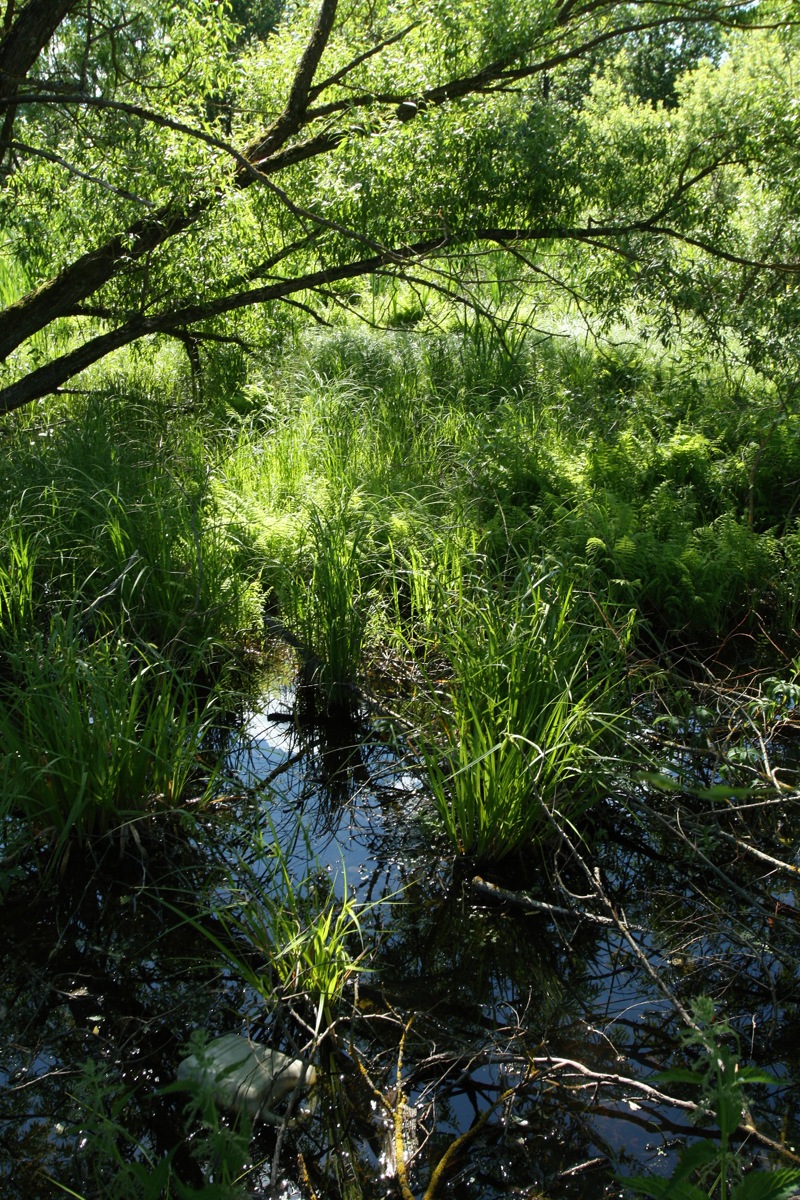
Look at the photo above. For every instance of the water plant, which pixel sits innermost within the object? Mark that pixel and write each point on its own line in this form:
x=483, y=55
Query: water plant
x=291, y=935
x=95, y=733
x=710, y=1168
x=518, y=743
x=330, y=611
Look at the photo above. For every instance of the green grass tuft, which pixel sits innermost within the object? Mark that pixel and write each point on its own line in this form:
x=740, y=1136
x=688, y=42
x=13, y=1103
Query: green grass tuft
x=96, y=735
x=521, y=739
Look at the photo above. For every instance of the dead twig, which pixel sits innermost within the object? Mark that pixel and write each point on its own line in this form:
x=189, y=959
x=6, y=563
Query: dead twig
x=526, y=902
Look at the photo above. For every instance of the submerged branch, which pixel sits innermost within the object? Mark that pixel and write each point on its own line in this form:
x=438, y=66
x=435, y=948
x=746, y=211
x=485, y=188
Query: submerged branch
x=521, y=900
x=746, y=1129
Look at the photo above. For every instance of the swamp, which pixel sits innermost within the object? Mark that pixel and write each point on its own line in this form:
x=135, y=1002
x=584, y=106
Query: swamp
x=399, y=601
x=305, y=812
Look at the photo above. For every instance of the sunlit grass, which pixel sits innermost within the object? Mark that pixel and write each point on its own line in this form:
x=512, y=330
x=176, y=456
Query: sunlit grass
x=115, y=505
x=329, y=610
x=292, y=935
x=523, y=728
x=95, y=736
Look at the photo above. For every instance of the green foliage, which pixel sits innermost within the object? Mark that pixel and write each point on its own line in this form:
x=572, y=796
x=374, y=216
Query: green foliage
x=256, y=19
x=654, y=60
x=561, y=143
x=721, y=1084
x=289, y=937
x=95, y=736
x=519, y=742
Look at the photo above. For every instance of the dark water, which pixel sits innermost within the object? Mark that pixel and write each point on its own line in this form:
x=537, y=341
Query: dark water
x=520, y=1026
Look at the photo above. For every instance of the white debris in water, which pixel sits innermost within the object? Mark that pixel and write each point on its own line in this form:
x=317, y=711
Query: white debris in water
x=246, y=1076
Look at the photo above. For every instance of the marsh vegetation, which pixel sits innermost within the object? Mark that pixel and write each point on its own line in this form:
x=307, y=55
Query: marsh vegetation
x=399, y=606
x=382, y=758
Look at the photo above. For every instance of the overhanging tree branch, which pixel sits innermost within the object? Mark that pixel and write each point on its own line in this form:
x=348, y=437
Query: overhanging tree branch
x=31, y=30
x=296, y=137
x=294, y=113
x=268, y=153
x=49, y=378
x=23, y=41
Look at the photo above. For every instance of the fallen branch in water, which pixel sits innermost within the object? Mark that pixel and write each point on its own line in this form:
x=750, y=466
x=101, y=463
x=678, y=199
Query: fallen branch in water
x=746, y=1128
x=526, y=902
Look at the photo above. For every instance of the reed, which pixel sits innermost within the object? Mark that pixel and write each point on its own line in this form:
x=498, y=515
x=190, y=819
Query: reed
x=330, y=609
x=523, y=727
x=96, y=735
x=291, y=933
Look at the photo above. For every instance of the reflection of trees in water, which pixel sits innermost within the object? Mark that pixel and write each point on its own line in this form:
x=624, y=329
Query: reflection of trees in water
x=534, y=1035
x=489, y=990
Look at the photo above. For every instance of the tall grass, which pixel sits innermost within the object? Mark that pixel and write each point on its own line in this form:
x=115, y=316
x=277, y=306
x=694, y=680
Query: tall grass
x=95, y=736
x=115, y=504
x=290, y=934
x=17, y=585
x=524, y=727
x=330, y=610
x=636, y=470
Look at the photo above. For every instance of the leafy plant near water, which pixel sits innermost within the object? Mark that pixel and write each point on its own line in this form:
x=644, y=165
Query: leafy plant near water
x=330, y=611
x=519, y=742
x=113, y=504
x=301, y=930
x=115, y=1164
x=94, y=734
x=710, y=1169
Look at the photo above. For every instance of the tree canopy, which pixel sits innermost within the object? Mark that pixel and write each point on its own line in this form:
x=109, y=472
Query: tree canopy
x=171, y=169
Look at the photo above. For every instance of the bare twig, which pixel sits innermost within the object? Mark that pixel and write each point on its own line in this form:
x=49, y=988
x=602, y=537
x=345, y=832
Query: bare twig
x=521, y=900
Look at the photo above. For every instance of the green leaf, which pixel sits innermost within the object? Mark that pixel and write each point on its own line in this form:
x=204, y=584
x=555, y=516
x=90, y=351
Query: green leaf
x=768, y=1185
x=681, y=1075
x=756, y=1075
x=664, y=1189
x=695, y=1157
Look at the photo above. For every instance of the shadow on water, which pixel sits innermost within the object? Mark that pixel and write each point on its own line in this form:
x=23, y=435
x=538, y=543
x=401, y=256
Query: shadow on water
x=501, y=1039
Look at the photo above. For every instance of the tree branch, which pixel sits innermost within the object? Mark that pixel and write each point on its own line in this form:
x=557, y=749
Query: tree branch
x=23, y=40
x=52, y=157
x=359, y=59
x=294, y=113
x=269, y=154
x=497, y=74
x=48, y=378
x=33, y=28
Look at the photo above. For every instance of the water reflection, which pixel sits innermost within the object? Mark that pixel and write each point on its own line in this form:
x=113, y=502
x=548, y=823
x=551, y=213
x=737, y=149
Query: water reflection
x=515, y=1031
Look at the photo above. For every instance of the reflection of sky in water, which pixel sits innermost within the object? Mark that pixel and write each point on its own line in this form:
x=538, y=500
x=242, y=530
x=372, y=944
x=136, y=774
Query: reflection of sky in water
x=351, y=792
x=488, y=985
